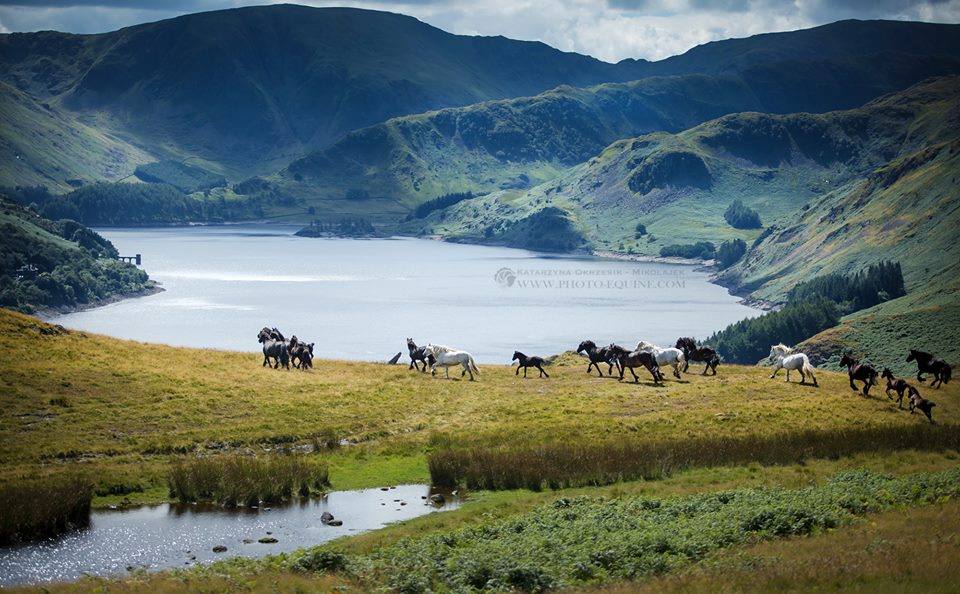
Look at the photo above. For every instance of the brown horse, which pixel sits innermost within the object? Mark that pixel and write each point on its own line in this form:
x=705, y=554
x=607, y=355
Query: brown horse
x=702, y=354
x=859, y=372
x=525, y=361
x=919, y=402
x=927, y=363
x=630, y=360
x=898, y=385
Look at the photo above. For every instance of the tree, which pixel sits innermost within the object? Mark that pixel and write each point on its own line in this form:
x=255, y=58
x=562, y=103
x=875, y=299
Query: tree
x=730, y=252
x=740, y=216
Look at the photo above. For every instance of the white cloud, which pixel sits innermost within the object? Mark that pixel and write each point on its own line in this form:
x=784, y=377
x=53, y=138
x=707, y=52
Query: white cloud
x=612, y=30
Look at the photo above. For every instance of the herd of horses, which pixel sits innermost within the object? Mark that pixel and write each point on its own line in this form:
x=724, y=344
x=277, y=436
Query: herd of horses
x=277, y=352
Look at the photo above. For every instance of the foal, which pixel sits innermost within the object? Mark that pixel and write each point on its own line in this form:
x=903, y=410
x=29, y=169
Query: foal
x=419, y=354
x=898, y=385
x=859, y=372
x=525, y=361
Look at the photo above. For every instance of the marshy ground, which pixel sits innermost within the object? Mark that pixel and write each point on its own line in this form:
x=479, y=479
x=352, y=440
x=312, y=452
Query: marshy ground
x=124, y=412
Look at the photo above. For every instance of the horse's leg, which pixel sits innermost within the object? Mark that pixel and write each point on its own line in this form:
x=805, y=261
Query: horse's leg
x=676, y=369
x=525, y=371
x=788, y=374
x=543, y=371
x=636, y=379
x=776, y=370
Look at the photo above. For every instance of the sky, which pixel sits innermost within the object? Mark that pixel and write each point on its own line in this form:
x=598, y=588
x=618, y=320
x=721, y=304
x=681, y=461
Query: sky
x=607, y=29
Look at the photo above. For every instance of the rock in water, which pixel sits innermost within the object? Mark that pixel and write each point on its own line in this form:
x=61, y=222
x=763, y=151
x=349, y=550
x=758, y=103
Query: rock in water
x=267, y=540
x=326, y=517
x=438, y=499
x=335, y=523
x=219, y=549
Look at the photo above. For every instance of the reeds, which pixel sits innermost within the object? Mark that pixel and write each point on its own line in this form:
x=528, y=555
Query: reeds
x=577, y=464
x=43, y=507
x=233, y=480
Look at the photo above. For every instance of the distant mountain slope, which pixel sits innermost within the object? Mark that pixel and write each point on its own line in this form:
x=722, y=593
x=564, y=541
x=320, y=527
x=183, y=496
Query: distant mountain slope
x=521, y=142
x=246, y=86
x=41, y=145
x=678, y=186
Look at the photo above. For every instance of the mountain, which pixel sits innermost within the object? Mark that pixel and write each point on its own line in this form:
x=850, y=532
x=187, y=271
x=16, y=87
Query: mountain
x=42, y=145
x=246, y=89
x=518, y=143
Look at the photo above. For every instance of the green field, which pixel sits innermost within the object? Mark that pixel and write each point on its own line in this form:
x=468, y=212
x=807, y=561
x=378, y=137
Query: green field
x=122, y=412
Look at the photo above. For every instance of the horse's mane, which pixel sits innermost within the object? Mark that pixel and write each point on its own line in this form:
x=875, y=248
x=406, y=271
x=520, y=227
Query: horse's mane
x=439, y=348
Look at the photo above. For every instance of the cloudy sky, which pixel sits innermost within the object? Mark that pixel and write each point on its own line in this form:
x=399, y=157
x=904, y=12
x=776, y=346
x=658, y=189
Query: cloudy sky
x=608, y=29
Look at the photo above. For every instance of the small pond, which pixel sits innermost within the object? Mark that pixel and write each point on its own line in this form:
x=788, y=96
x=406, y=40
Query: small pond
x=175, y=535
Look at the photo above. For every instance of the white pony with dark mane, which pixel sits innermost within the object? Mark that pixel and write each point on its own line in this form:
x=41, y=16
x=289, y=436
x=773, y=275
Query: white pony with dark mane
x=447, y=357
x=669, y=357
x=783, y=357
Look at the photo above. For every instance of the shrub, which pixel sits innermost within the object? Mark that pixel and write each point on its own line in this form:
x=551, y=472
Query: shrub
x=639, y=231
x=45, y=507
x=730, y=252
x=703, y=250
x=740, y=216
x=233, y=480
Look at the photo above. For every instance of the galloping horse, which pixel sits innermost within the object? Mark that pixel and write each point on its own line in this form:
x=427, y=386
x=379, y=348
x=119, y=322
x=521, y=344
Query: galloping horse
x=671, y=357
x=927, y=363
x=274, y=348
x=419, y=354
x=899, y=386
x=447, y=357
x=701, y=354
x=638, y=358
x=859, y=372
x=525, y=361
x=784, y=358
x=598, y=356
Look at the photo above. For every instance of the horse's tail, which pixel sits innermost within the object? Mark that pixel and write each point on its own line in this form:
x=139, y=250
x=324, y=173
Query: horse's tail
x=807, y=367
x=473, y=364
x=947, y=371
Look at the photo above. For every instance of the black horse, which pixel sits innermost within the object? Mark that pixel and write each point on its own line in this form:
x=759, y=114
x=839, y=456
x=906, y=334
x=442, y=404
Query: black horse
x=702, y=354
x=526, y=361
x=274, y=348
x=598, y=356
x=919, y=402
x=898, y=385
x=419, y=354
x=630, y=360
x=927, y=363
x=301, y=353
x=861, y=372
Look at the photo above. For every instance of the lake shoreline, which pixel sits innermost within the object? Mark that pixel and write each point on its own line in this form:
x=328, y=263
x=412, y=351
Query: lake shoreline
x=50, y=314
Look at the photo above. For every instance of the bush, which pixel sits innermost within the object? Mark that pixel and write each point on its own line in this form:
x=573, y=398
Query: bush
x=233, y=480
x=730, y=252
x=639, y=231
x=43, y=508
x=703, y=250
x=740, y=216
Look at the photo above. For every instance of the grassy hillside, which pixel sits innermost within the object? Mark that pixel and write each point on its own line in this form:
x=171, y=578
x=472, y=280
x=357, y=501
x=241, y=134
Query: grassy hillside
x=252, y=88
x=40, y=144
x=48, y=264
x=123, y=411
x=522, y=142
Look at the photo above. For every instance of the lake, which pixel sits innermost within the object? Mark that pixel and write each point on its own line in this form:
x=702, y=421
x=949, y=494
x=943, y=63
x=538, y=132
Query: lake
x=360, y=299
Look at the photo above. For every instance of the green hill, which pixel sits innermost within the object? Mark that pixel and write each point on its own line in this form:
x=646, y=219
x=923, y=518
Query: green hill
x=61, y=264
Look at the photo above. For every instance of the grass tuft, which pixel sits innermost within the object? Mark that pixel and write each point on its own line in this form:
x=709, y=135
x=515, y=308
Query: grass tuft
x=577, y=464
x=233, y=480
x=44, y=507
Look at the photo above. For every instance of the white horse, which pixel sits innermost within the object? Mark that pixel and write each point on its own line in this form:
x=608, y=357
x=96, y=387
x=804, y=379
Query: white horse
x=784, y=358
x=447, y=357
x=670, y=357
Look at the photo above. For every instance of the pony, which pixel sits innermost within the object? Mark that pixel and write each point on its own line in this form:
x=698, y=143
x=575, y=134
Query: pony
x=301, y=354
x=598, y=356
x=701, y=354
x=897, y=385
x=273, y=349
x=919, y=402
x=671, y=357
x=927, y=363
x=860, y=372
x=447, y=357
x=639, y=358
x=419, y=354
x=525, y=362
x=784, y=358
